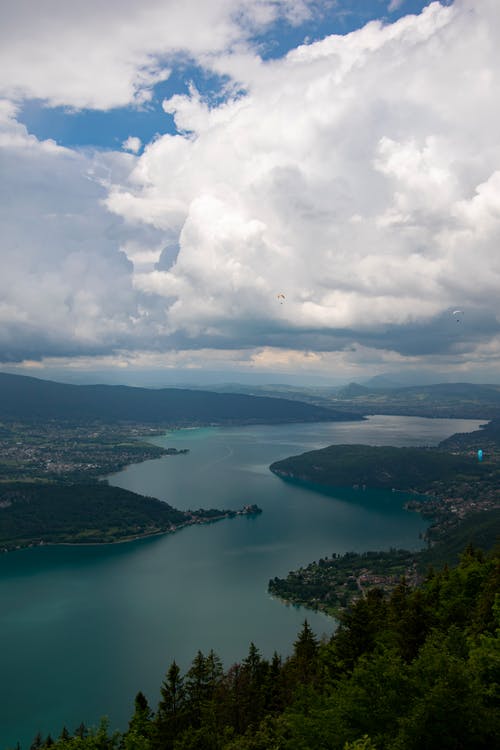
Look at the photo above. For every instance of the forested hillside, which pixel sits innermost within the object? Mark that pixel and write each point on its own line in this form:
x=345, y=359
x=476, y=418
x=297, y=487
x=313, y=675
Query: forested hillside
x=415, y=670
x=24, y=398
x=383, y=467
x=49, y=513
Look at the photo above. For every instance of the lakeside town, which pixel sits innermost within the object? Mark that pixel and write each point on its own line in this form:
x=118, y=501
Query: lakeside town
x=59, y=451
x=457, y=507
x=333, y=584
x=57, y=468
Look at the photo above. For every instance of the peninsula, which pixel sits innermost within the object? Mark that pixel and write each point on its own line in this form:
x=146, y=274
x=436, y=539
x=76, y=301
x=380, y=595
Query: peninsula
x=52, y=491
x=456, y=492
x=35, y=514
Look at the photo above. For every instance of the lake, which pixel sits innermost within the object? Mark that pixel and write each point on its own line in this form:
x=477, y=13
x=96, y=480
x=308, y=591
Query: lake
x=82, y=629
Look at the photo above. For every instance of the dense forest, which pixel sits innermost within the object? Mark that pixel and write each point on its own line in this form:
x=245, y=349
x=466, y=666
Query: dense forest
x=416, y=669
x=382, y=467
x=29, y=399
x=94, y=512
x=33, y=513
x=486, y=438
x=480, y=529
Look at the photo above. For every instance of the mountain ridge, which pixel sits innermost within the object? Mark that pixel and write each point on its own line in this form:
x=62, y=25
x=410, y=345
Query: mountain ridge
x=28, y=398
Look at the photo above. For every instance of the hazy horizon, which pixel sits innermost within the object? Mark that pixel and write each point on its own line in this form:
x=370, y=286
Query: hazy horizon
x=206, y=379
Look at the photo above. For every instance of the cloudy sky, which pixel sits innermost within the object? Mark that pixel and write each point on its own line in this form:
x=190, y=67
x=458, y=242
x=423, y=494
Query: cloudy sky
x=169, y=167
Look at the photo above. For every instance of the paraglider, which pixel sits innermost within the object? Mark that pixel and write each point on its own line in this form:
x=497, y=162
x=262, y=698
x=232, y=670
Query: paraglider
x=480, y=455
x=281, y=298
x=458, y=315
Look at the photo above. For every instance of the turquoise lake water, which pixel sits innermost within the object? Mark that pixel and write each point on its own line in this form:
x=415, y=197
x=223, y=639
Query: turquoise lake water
x=82, y=629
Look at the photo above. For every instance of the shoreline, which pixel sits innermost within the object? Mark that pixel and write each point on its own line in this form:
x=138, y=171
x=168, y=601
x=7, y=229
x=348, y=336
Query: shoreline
x=246, y=510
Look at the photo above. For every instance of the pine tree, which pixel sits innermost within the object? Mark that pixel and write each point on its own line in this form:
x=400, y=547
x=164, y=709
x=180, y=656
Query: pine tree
x=214, y=672
x=65, y=735
x=358, y=632
x=172, y=691
x=81, y=731
x=140, y=724
x=196, y=683
x=414, y=626
x=304, y=661
x=254, y=670
x=274, y=694
x=170, y=718
x=235, y=689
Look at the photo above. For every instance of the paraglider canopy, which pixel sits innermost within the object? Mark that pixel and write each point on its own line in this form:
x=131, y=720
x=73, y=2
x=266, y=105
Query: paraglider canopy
x=458, y=315
x=281, y=298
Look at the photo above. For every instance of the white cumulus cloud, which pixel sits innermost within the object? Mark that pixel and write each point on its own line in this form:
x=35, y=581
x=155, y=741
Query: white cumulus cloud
x=132, y=144
x=109, y=54
x=358, y=176
x=60, y=252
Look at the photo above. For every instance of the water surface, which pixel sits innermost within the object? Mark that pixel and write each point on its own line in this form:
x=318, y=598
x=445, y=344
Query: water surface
x=82, y=629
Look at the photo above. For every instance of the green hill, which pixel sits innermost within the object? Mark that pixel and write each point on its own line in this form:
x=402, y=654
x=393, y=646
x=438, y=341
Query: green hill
x=480, y=529
x=382, y=467
x=33, y=512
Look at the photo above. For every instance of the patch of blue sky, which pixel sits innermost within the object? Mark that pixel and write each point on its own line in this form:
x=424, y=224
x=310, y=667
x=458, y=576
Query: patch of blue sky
x=93, y=128
x=338, y=17
x=109, y=129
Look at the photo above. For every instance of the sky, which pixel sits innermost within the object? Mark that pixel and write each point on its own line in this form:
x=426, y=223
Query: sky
x=169, y=167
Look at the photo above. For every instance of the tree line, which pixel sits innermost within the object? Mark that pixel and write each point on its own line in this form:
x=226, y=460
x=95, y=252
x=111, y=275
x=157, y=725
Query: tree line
x=417, y=669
